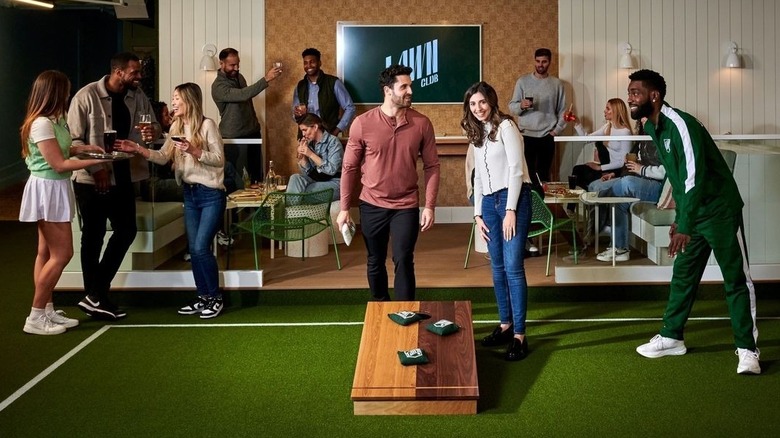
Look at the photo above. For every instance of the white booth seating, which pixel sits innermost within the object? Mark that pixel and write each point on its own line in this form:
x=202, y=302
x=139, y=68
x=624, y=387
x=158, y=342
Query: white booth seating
x=160, y=236
x=652, y=225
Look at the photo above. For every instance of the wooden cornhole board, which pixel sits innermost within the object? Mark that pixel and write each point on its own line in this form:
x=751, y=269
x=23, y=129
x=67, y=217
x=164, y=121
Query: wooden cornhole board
x=447, y=385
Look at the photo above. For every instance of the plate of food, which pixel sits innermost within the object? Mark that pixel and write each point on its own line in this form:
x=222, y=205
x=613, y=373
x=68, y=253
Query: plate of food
x=564, y=192
x=115, y=156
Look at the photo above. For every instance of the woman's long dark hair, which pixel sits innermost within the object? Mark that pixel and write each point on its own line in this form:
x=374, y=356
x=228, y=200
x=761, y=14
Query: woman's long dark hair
x=475, y=129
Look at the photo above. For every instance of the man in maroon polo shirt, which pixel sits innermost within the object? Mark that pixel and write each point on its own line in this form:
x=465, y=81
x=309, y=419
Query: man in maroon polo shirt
x=382, y=150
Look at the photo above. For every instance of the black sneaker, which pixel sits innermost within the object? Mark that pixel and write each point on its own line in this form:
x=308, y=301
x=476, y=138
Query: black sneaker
x=101, y=308
x=194, y=307
x=213, y=308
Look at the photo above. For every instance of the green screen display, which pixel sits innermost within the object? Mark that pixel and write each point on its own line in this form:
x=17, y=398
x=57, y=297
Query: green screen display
x=446, y=60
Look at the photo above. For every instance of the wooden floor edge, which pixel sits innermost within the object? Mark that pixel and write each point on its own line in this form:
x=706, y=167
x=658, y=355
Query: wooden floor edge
x=416, y=407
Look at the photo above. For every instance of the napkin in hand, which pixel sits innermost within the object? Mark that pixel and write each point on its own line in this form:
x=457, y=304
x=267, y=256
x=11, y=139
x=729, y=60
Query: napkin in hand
x=348, y=231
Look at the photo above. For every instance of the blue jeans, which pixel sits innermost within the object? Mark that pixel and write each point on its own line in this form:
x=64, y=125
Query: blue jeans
x=303, y=184
x=506, y=257
x=204, y=208
x=632, y=186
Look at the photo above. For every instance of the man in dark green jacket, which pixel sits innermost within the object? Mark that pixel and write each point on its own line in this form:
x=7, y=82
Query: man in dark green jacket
x=708, y=220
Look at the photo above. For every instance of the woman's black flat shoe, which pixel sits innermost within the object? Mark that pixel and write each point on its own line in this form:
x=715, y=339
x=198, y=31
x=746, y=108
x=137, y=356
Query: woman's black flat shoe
x=517, y=350
x=498, y=337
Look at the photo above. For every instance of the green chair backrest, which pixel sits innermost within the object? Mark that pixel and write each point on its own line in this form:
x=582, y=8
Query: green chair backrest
x=540, y=215
x=293, y=216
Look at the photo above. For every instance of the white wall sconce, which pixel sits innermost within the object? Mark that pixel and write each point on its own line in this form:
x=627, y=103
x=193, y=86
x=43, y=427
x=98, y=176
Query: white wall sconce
x=207, y=62
x=626, y=60
x=733, y=60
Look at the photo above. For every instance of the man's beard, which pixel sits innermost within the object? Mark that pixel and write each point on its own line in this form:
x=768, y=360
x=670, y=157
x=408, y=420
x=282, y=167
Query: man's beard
x=644, y=110
x=401, y=102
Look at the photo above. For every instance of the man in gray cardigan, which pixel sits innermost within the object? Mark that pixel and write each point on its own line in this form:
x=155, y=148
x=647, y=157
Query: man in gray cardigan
x=237, y=114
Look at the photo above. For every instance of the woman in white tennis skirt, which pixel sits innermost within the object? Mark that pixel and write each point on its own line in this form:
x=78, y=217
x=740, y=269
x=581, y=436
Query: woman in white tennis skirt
x=48, y=195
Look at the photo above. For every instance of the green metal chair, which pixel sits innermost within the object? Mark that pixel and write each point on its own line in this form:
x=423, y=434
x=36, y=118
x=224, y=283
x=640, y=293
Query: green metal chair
x=547, y=223
x=290, y=217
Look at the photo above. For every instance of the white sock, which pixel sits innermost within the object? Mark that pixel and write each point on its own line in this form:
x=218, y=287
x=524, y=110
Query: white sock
x=49, y=307
x=36, y=313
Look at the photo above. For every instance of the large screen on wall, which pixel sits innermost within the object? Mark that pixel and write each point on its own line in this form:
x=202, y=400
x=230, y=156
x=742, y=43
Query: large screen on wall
x=446, y=59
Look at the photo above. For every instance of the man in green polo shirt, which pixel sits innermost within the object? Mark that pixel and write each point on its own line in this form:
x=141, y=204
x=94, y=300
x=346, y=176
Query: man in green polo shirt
x=708, y=220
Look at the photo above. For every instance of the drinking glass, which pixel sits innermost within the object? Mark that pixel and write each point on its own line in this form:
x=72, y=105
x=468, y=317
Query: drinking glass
x=530, y=100
x=569, y=115
x=278, y=64
x=144, y=120
x=109, y=137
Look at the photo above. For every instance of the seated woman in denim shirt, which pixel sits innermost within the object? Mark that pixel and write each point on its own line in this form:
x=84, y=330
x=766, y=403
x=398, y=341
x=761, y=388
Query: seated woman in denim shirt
x=319, y=159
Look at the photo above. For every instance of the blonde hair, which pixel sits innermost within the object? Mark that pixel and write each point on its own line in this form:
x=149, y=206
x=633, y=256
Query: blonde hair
x=619, y=115
x=48, y=98
x=191, y=95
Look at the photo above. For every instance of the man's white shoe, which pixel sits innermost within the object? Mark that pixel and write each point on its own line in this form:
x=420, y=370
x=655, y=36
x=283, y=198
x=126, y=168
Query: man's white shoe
x=660, y=346
x=621, y=255
x=58, y=317
x=42, y=325
x=748, y=361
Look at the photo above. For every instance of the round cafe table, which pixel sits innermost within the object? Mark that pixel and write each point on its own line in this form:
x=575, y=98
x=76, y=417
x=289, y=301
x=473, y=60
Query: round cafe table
x=592, y=198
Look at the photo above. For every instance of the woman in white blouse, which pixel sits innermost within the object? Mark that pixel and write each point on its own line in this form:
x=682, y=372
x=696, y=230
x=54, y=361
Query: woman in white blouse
x=610, y=156
x=502, y=209
x=196, y=149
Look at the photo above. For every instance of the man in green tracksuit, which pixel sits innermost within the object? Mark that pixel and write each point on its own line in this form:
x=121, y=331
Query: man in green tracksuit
x=708, y=219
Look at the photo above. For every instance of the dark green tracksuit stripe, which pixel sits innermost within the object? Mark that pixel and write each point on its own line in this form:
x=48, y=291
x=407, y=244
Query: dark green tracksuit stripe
x=709, y=209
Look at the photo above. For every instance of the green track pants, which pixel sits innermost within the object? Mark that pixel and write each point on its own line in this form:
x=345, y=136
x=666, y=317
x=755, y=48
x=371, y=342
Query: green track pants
x=723, y=236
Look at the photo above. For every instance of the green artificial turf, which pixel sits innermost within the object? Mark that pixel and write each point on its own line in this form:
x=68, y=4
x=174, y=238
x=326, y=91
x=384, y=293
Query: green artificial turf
x=150, y=376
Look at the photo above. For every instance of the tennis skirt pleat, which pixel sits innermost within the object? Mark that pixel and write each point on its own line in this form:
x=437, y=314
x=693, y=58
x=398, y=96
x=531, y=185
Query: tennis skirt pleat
x=50, y=200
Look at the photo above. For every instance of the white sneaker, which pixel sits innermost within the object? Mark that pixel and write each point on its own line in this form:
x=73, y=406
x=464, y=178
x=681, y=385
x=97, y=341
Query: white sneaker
x=748, y=361
x=660, y=346
x=621, y=255
x=42, y=326
x=606, y=231
x=223, y=239
x=58, y=317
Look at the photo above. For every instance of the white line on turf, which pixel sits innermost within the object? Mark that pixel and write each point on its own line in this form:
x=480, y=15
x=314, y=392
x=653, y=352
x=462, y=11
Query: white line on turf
x=20, y=392
x=5, y=403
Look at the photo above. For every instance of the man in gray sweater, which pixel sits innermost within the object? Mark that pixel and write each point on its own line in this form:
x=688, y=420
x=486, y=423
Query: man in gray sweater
x=538, y=102
x=237, y=114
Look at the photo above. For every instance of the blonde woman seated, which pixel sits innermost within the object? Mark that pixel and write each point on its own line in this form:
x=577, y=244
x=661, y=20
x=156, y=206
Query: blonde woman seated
x=319, y=159
x=612, y=155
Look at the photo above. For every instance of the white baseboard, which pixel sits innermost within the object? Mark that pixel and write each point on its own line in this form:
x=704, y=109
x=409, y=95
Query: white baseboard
x=165, y=280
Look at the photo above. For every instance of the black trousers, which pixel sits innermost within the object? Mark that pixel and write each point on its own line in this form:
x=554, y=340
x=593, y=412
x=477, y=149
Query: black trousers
x=118, y=207
x=378, y=225
x=539, y=154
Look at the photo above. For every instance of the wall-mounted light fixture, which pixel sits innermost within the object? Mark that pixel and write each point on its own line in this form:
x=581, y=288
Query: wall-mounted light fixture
x=37, y=3
x=732, y=60
x=207, y=62
x=626, y=60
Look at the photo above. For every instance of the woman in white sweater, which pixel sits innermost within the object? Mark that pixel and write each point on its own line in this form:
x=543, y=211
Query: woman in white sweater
x=612, y=155
x=196, y=149
x=502, y=209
